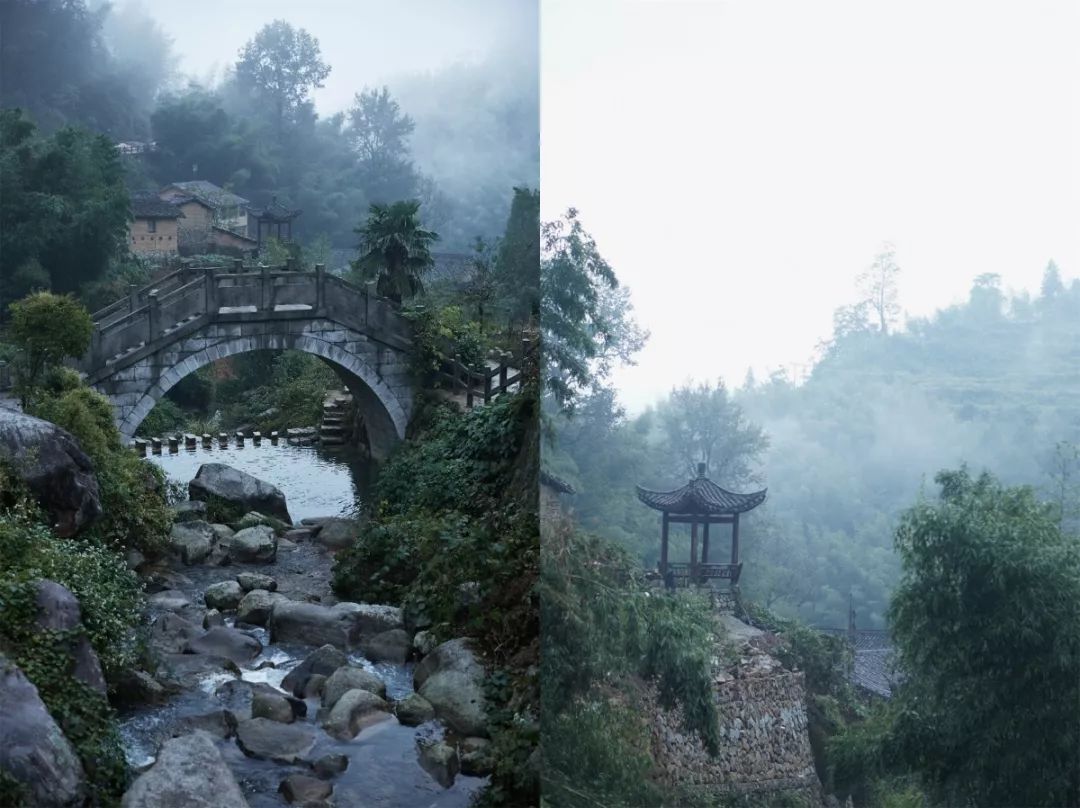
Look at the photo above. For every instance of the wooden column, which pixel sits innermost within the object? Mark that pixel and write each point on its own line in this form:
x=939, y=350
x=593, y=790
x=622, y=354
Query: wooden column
x=705, y=544
x=693, y=552
x=735, y=540
x=663, y=545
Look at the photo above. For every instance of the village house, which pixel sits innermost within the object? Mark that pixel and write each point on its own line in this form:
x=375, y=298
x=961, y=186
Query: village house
x=215, y=220
x=154, y=230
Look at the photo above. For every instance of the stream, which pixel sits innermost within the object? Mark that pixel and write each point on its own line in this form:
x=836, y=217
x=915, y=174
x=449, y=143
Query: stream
x=384, y=768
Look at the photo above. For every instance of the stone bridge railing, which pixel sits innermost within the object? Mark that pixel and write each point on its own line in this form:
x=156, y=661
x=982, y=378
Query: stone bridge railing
x=192, y=297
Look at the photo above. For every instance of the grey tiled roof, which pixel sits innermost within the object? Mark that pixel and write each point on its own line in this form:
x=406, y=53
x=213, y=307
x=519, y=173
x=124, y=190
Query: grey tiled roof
x=701, y=496
x=213, y=195
x=873, y=671
x=150, y=206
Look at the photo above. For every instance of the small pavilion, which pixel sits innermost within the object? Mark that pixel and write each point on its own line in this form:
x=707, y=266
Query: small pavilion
x=700, y=502
x=273, y=221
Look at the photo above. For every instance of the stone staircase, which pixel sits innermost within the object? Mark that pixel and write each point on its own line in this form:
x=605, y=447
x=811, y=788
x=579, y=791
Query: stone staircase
x=337, y=417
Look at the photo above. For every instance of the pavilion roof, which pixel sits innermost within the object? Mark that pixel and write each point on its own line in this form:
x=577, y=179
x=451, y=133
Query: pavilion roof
x=701, y=496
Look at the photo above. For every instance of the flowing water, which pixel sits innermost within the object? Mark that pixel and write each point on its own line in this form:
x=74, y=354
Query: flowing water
x=384, y=769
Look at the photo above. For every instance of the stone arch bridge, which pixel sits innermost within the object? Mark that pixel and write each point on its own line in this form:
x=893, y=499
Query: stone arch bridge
x=147, y=342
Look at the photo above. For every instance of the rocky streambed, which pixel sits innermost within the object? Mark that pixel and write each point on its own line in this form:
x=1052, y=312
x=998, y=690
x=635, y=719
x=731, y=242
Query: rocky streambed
x=268, y=691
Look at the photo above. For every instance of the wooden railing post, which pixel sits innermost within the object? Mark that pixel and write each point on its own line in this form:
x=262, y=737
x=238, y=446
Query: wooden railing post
x=153, y=316
x=502, y=375
x=320, y=287
x=210, y=291
x=487, y=387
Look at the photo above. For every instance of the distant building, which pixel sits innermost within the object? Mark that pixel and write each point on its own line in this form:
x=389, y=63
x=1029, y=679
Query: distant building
x=154, y=230
x=229, y=211
x=214, y=220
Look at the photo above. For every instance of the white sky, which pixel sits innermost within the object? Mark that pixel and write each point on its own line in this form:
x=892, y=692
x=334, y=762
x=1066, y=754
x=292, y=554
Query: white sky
x=740, y=162
x=366, y=42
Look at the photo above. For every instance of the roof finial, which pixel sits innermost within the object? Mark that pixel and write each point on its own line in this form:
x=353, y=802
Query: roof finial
x=700, y=469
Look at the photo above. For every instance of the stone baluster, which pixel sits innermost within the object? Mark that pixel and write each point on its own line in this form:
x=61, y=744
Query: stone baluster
x=210, y=291
x=266, y=289
x=320, y=287
x=153, y=317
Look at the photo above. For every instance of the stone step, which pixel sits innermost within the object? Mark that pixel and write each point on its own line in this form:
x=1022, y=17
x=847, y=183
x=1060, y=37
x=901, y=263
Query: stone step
x=332, y=440
x=332, y=429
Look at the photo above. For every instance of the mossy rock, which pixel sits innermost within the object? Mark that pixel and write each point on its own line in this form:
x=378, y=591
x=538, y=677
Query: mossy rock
x=254, y=518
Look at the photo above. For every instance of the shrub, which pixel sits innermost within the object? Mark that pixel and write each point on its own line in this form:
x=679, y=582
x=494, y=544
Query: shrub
x=47, y=329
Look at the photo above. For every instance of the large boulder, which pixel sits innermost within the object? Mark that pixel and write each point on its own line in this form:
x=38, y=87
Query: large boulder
x=223, y=595
x=452, y=679
x=192, y=541
x=58, y=610
x=272, y=740
x=217, y=481
x=189, y=511
x=313, y=624
x=414, y=710
x=189, y=773
x=299, y=789
x=320, y=662
x=337, y=533
x=225, y=642
x=170, y=633
x=440, y=760
x=33, y=750
x=49, y=461
x=354, y=711
x=256, y=606
x=188, y=671
x=394, y=646
x=256, y=580
x=254, y=545
x=350, y=677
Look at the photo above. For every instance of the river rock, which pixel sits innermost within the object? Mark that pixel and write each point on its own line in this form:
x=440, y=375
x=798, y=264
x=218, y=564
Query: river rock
x=313, y=687
x=440, y=760
x=189, y=773
x=189, y=511
x=323, y=661
x=374, y=618
x=33, y=750
x=256, y=580
x=329, y=765
x=270, y=740
x=350, y=677
x=355, y=710
x=170, y=633
x=225, y=642
x=222, y=532
x=219, y=723
x=475, y=757
x=424, y=643
x=224, y=595
x=414, y=710
x=254, y=544
x=58, y=610
x=299, y=789
x=239, y=489
x=56, y=471
x=169, y=600
x=273, y=705
x=337, y=533
x=136, y=688
x=312, y=624
x=186, y=671
x=254, y=518
x=192, y=541
x=212, y=619
x=388, y=646
x=452, y=679
x=256, y=606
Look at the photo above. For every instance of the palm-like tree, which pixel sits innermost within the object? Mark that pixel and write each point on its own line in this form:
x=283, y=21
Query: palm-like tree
x=395, y=250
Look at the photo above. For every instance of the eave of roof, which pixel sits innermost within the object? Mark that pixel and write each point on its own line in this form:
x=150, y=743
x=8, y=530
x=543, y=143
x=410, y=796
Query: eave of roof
x=701, y=496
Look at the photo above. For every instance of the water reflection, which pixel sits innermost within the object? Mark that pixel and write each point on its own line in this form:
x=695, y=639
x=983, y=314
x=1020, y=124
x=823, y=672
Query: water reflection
x=315, y=481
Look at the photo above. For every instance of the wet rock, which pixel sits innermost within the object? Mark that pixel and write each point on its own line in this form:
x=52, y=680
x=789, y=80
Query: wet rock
x=324, y=661
x=254, y=544
x=56, y=471
x=236, y=696
x=268, y=703
x=58, y=610
x=34, y=751
x=350, y=677
x=239, y=489
x=354, y=711
x=330, y=765
x=224, y=595
x=373, y=618
x=160, y=579
x=452, y=679
x=185, y=671
x=337, y=533
x=475, y=757
x=313, y=687
x=414, y=710
x=219, y=723
x=440, y=760
x=313, y=624
x=271, y=740
x=298, y=534
x=189, y=511
x=137, y=688
x=191, y=541
x=256, y=606
x=424, y=643
x=299, y=789
x=169, y=600
x=255, y=580
x=170, y=633
x=388, y=646
x=285, y=545
x=189, y=772
x=212, y=619
x=222, y=532
x=225, y=642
